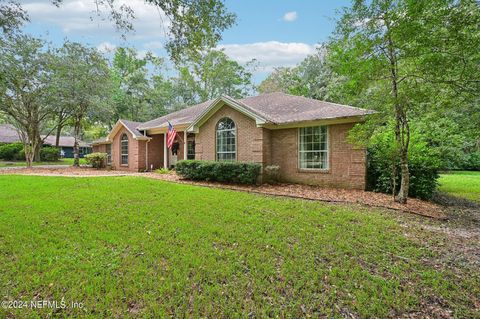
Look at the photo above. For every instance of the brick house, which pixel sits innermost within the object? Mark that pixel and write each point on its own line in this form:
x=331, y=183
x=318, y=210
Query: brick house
x=306, y=138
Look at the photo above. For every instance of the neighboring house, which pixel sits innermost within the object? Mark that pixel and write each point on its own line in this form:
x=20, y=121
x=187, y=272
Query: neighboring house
x=306, y=138
x=66, y=145
x=9, y=134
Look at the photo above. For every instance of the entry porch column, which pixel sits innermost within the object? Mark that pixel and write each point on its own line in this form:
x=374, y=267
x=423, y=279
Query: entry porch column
x=165, y=151
x=185, y=145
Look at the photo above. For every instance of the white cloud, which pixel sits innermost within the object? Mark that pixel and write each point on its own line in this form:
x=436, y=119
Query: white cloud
x=269, y=54
x=80, y=17
x=153, y=45
x=290, y=16
x=106, y=47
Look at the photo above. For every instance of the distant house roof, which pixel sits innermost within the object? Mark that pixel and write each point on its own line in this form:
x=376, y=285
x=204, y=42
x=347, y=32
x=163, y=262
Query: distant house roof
x=8, y=134
x=275, y=108
x=65, y=141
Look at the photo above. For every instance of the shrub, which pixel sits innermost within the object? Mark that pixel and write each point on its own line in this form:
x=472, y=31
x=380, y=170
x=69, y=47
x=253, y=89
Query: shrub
x=97, y=160
x=50, y=154
x=473, y=162
x=273, y=173
x=163, y=171
x=12, y=152
x=230, y=172
x=423, y=165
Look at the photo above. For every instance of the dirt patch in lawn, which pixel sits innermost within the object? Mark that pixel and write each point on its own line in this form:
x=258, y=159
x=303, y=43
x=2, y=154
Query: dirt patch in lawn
x=372, y=199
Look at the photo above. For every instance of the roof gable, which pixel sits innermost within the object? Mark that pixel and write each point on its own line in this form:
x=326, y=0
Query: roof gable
x=130, y=126
x=219, y=103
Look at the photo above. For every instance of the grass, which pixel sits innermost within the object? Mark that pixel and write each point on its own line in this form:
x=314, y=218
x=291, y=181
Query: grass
x=463, y=184
x=133, y=247
x=63, y=161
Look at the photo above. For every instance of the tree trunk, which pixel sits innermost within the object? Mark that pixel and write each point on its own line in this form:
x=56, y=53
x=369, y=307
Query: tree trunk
x=37, y=150
x=405, y=178
x=76, y=156
x=59, y=132
x=402, y=131
x=28, y=155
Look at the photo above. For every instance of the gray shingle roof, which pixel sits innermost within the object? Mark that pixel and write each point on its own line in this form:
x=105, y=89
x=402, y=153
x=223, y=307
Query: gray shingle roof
x=277, y=108
x=185, y=116
x=65, y=141
x=8, y=134
x=281, y=108
x=102, y=140
x=133, y=127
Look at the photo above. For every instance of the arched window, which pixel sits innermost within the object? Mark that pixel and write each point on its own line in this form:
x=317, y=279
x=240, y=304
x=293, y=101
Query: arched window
x=226, y=140
x=124, y=149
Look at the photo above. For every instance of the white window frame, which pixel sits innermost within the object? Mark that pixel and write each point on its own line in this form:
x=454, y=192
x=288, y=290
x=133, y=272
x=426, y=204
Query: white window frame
x=108, y=150
x=217, y=152
x=326, y=151
x=121, y=149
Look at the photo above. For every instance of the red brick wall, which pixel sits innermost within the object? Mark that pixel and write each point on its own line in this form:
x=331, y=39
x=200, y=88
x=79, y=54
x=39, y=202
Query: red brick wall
x=347, y=167
x=136, y=152
x=280, y=147
x=155, y=151
x=102, y=148
x=250, y=138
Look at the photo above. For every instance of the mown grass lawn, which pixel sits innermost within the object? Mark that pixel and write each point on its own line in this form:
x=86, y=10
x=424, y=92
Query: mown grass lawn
x=63, y=161
x=463, y=184
x=134, y=247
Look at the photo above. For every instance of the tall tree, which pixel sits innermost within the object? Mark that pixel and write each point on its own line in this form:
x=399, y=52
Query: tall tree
x=83, y=81
x=131, y=84
x=12, y=16
x=193, y=25
x=402, y=45
x=24, y=82
x=213, y=73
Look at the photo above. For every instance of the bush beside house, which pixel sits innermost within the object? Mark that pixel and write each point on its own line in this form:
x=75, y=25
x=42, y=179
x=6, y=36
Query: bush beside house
x=423, y=162
x=97, y=160
x=230, y=172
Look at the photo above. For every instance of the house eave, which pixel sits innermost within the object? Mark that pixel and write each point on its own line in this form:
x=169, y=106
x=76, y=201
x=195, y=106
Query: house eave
x=216, y=105
x=306, y=123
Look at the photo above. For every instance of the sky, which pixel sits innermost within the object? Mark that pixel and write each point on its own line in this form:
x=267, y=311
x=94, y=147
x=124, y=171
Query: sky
x=274, y=32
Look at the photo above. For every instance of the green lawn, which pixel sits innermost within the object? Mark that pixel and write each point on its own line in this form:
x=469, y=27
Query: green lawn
x=461, y=184
x=134, y=247
x=63, y=161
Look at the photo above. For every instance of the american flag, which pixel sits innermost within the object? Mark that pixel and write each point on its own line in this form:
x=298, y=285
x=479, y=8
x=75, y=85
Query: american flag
x=171, y=135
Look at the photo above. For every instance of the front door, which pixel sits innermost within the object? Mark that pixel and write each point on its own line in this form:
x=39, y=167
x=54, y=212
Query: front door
x=172, y=159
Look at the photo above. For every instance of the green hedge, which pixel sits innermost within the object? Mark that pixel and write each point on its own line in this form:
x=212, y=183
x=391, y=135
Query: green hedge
x=49, y=154
x=230, y=172
x=12, y=152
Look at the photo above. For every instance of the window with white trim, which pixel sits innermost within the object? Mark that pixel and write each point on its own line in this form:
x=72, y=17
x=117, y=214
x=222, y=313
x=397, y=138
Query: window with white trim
x=108, y=148
x=124, y=149
x=313, y=147
x=226, y=140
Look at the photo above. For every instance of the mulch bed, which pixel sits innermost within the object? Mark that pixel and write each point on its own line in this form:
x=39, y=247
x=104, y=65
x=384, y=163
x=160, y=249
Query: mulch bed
x=414, y=206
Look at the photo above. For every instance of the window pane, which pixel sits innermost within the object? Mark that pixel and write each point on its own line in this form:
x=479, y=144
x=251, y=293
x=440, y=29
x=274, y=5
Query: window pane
x=226, y=140
x=313, y=148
